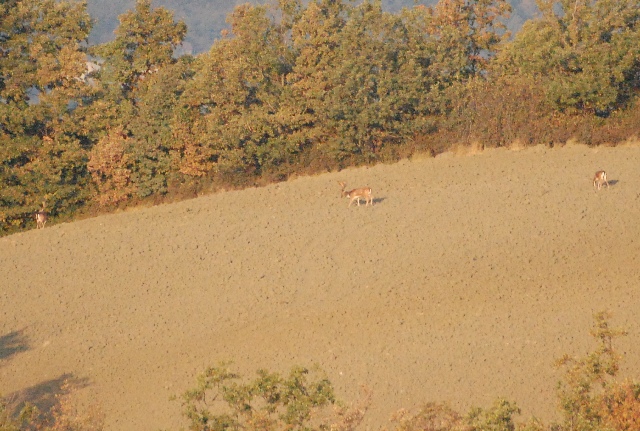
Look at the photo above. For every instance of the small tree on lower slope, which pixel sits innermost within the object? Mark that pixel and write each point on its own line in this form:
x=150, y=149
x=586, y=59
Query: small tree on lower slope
x=590, y=398
x=221, y=402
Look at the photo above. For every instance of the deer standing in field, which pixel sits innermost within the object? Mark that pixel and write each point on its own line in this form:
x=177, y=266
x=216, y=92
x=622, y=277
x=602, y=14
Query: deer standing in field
x=41, y=217
x=357, y=194
x=600, y=179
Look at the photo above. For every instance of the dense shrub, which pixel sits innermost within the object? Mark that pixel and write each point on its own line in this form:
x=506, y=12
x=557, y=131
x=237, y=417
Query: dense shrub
x=221, y=401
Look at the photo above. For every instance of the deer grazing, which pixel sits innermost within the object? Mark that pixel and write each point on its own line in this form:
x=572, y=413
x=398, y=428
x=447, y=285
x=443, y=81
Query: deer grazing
x=357, y=194
x=600, y=179
x=41, y=217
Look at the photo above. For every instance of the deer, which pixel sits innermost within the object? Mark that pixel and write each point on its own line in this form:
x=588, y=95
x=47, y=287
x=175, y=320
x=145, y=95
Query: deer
x=41, y=217
x=357, y=194
x=599, y=179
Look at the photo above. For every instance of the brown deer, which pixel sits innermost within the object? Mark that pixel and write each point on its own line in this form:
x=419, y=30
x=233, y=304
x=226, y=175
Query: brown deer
x=41, y=217
x=600, y=179
x=357, y=194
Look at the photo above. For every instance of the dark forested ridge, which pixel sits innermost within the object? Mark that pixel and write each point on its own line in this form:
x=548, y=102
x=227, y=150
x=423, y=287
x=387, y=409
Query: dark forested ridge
x=206, y=18
x=292, y=87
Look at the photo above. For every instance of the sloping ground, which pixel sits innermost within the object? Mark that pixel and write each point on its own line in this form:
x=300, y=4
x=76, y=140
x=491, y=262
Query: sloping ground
x=465, y=281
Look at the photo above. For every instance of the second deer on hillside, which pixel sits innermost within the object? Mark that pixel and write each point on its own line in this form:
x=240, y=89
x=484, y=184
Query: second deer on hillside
x=41, y=217
x=357, y=194
x=600, y=179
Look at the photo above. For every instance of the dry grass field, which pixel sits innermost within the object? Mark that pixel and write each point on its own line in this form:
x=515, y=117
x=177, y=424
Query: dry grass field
x=464, y=282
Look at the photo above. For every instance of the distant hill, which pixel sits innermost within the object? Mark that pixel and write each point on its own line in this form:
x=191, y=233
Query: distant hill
x=206, y=18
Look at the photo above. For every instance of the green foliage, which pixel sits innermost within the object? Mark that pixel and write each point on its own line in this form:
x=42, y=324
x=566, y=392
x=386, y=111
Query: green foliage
x=138, y=86
x=367, y=93
x=499, y=112
x=145, y=41
x=587, y=379
x=151, y=129
x=236, y=115
x=220, y=401
x=41, y=155
x=369, y=78
x=465, y=34
x=586, y=53
x=441, y=417
x=498, y=418
x=110, y=167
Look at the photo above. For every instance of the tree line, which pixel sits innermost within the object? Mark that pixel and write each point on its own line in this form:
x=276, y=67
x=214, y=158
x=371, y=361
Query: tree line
x=293, y=87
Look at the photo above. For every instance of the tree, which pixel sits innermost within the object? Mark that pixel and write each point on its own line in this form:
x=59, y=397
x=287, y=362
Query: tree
x=145, y=41
x=587, y=380
x=110, y=167
x=462, y=37
x=360, y=76
x=151, y=133
x=317, y=37
x=465, y=34
x=586, y=53
x=236, y=115
x=498, y=418
x=42, y=146
x=139, y=83
x=271, y=402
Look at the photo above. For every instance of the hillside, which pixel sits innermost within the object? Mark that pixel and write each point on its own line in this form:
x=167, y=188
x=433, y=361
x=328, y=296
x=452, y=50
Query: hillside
x=464, y=282
x=205, y=19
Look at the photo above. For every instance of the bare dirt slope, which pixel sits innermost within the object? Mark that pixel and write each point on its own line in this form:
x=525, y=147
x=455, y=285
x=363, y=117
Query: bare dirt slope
x=464, y=282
